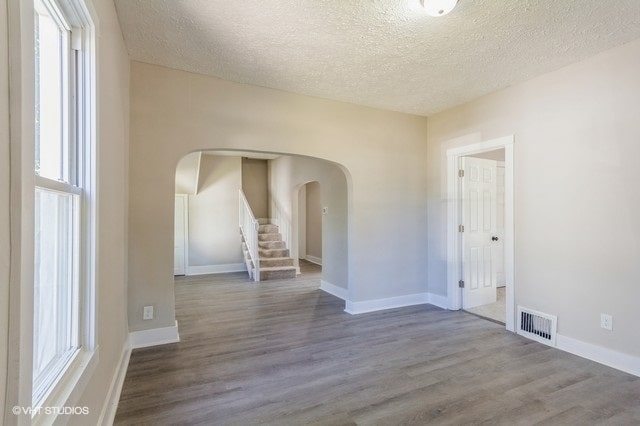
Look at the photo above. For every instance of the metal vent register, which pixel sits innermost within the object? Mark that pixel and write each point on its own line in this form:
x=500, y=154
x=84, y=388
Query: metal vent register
x=537, y=325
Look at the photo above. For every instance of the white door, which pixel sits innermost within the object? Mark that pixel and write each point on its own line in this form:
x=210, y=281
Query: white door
x=479, y=221
x=498, y=246
x=180, y=236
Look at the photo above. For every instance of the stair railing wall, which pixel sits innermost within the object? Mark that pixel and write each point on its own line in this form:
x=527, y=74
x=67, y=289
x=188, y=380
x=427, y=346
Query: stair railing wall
x=249, y=228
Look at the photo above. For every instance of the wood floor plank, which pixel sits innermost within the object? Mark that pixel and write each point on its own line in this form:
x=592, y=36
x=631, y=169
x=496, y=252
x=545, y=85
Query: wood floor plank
x=285, y=353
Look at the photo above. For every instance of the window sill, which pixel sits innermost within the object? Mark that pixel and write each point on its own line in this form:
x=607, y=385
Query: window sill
x=69, y=388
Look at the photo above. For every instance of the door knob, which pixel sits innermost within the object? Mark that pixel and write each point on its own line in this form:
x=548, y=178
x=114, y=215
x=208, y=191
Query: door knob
x=494, y=238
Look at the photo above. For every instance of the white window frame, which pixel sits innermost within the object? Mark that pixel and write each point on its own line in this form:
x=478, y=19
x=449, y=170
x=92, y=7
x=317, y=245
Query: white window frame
x=66, y=387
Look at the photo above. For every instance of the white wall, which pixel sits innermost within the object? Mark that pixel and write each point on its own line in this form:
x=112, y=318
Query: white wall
x=214, y=239
x=175, y=112
x=577, y=240
x=314, y=220
x=113, y=134
x=286, y=175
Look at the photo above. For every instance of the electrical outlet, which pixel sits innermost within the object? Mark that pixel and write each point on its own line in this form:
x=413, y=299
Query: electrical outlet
x=606, y=321
x=147, y=313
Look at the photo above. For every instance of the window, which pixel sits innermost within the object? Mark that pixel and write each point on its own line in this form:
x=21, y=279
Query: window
x=63, y=276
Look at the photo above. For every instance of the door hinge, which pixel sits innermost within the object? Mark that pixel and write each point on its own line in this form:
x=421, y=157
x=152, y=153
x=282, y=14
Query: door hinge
x=461, y=284
x=460, y=228
x=460, y=173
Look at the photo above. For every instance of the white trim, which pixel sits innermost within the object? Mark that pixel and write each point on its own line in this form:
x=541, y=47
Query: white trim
x=71, y=384
x=70, y=387
x=453, y=236
x=438, y=300
x=108, y=412
x=334, y=290
x=216, y=269
x=365, y=306
x=313, y=259
x=154, y=337
x=614, y=359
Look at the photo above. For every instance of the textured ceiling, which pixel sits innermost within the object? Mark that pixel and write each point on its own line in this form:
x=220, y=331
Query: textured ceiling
x=382, y=53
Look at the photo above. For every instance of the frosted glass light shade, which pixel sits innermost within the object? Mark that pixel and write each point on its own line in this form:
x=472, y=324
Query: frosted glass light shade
x=439, y=7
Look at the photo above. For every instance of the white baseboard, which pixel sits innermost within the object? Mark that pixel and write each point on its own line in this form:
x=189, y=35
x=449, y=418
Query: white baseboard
x=108, y=413
x=154, y=337
x=437, y=300
x=216, y=269
x=313, y=259
x=618, y=360
x=365, y=306
x=333, y=289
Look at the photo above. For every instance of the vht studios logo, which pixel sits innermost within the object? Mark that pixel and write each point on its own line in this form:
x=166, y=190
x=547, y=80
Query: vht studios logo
x=47, y=411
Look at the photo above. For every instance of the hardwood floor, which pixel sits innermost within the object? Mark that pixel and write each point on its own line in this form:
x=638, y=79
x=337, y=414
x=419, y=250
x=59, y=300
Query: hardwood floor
x=285, y=353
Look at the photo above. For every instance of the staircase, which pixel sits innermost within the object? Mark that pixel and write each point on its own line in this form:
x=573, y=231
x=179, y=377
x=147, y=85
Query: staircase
x=275, y=263
x=265, y=253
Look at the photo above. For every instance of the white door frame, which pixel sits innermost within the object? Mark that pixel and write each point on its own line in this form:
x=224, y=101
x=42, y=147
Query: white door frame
x=454, y=246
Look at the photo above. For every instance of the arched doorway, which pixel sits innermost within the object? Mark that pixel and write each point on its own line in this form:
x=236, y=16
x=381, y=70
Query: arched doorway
x=310, y=228
x=324, y=236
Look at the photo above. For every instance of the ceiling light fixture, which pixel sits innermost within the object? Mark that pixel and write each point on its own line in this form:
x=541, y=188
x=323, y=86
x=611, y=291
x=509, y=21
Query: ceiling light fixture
x=438, y=7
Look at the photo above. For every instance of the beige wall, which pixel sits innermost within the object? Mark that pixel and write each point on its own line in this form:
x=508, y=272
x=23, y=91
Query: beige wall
x=175, y=112
x=254, y=185
x=576, y=195
x=314, y=220
x=113, y=118
x=5, y=223
x=286, y=176
x=214, y=239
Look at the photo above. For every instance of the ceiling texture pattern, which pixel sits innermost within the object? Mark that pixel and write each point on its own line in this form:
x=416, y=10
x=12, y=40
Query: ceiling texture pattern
x=387, y=54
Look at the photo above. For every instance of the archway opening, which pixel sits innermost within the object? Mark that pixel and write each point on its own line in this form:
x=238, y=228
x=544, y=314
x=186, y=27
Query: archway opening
x=207, y=186
x=310, y=228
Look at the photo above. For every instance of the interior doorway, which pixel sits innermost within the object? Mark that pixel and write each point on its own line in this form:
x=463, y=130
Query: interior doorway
x=482, y=215
x=480, y=230
x=310, y=228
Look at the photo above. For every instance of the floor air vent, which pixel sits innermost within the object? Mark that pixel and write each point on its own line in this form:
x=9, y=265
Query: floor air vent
x=537, y=326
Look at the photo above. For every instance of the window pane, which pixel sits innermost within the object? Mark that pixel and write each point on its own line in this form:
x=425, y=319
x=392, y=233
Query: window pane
x=52, y=150
x=55, y=291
